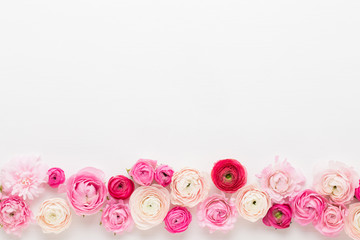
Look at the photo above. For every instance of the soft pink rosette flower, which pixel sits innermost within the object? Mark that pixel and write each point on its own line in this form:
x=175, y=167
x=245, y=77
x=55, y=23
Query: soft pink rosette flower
x=332, y=221
x=217, y=213
x=308, y=207
x=143, y=171
x=15, y=215
x=56, y=176
x=279, y=216
x=177, y=220
x=188, y=187
x=24, y=177
x=357, y=192
x=149, y=206
x=252, y=203
x=86, y=191
x=116, y=217
x=338, y=182
x=120, y=187
x=352, y=221
x=281, y=181
x=163, y=175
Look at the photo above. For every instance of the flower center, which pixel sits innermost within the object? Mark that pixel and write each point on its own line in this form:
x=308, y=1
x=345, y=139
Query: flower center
x=278, y=215
x=228, y=176
x=254, y=202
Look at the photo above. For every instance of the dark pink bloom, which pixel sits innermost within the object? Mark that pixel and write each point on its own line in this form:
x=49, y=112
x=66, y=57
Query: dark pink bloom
x=357, y=192
x=163, y=175
x=56, y=177
x=279, y=216
x=177, y=220
x=120, y=187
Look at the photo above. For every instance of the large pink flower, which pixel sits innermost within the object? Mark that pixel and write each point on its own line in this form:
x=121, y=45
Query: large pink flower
x=143, y=171
x=308, y=207
x=279, y=216
x=352, y=221
x=217, y=213
x=116, y=217
x=338, y=182
x=177, y=219
x=86, y=191
x=281, y=181
x=24, y=177
x=15, y=214
x=332, y=220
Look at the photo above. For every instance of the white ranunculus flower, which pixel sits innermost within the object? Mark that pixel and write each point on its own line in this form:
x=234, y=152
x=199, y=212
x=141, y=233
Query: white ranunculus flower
x=149, y=206
x=54, y=215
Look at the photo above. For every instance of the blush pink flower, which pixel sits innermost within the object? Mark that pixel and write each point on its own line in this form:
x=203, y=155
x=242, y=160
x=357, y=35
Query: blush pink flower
x=281, y=181
x=352, y=221
x=279, y=216
x=308, y=207
x=24, y=177
x=56, y=176
x=143, y=171
x=338, y=182
x=332, y=221
x=116, y=217
x=177, y=220
x=15, y=215
x=217, y=213
x=163, y=175
x=86, y=191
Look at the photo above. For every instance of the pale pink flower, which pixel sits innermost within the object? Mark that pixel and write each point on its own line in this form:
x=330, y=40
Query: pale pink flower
x=217, y=213
x=338, y=182
x=352, y=221
x=332, y=220
x=24, y=177
x=116, y=216
x=280, y=180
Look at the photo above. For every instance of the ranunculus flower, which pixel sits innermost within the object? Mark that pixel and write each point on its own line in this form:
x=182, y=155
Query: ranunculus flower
x=217, y=213
x=281, y=181
x=143, y=171
x=120, y=187
x=332, y=221
x=252, y=203
x=116, y=217
x=24, y=177
x=163, y=175
x=352, y=221
x=56, y=176
x=177, y=219
x=308, y=206
x=279, y=216
x=188, y=187
x=149, y=206
x=15, y=215
x=54, y=216
x=357, y=192
x=228, y=175
x=86, y=191
x=338, y=182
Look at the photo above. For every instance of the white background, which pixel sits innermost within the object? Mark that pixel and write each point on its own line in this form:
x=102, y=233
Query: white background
x=103, y=83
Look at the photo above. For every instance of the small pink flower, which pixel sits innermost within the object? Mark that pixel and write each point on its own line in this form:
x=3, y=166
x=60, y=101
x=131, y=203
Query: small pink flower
x=56, y=177
x=15, y=215
x=143, y=171
x=163, y=175
x=116, y=217
x=332, y=221
x=357, y=192
x=308, y=207
x=217, y=213
x=120, y=187
x=177, y=220
x=24, y=177
x=279, y=216
x=86, y=191
x=281, y=181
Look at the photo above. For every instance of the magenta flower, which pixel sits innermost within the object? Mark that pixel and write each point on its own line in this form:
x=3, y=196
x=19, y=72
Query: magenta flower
x=357, y=192
x=163, y=175
x=56, y=177
x=143, y=171
x=279, y=216
x=177, y=220
x=116, y=217
x=120, y=187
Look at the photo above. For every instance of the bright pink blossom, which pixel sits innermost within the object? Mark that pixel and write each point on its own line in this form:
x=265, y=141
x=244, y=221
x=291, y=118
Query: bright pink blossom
x=163, y=175
x=120, y=187
x=279, y=216
x=56, y=177
x=177, y=219
x=143, y=171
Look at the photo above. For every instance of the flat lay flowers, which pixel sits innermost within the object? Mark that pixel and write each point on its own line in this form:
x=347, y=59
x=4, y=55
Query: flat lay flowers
x=155, y=194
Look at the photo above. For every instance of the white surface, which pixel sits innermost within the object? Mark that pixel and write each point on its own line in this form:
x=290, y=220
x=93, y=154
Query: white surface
x=103, y=83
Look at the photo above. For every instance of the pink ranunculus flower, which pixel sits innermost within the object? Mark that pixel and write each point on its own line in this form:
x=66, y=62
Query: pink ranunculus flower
x=357, y=192
x=149, y=206
x=189, y=187
x=120, y=187
x=281, y=181
x=15, y=215
x=177, y=220
x=116, y=217
x=24, y=177
x=308, y=207
x=163, y=175
x=56, y=176
x=338, y=182
x=217, y=213
x=252, y=203
x=279, y=216
x=86, y=191
x=352, y=221
x=143, y=171
x=332, y=221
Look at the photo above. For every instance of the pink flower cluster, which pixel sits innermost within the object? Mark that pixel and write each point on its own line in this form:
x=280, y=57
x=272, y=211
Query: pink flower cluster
x=153, y=194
